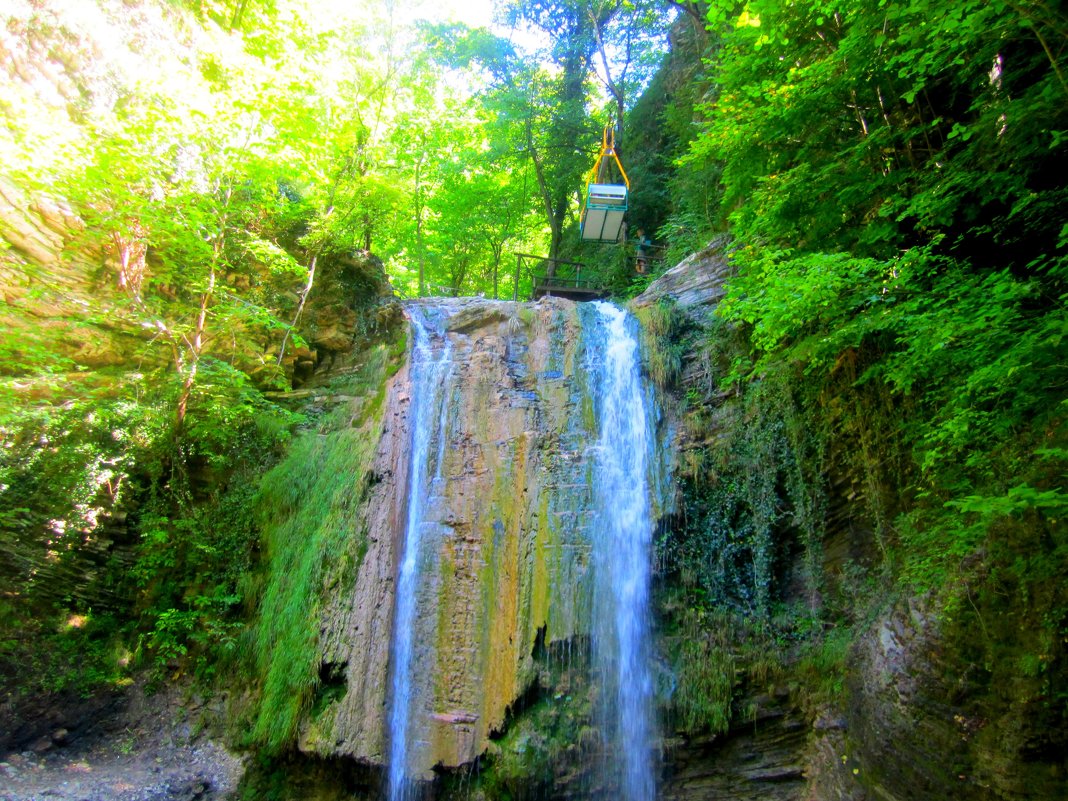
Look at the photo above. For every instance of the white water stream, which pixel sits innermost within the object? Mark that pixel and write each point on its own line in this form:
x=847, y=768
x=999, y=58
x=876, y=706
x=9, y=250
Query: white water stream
x=429, y=373
x=621, y=556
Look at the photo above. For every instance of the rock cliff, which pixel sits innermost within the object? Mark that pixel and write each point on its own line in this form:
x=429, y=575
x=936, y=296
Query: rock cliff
x=507, y=568
x=948, y=694
x=695, y=284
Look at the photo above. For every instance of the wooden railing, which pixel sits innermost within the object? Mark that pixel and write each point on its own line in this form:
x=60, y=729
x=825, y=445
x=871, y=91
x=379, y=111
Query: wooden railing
x=555, y=277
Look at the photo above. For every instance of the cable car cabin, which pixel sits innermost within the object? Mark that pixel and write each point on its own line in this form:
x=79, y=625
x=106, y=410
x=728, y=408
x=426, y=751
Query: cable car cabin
x=602, y=219
x=606, y=203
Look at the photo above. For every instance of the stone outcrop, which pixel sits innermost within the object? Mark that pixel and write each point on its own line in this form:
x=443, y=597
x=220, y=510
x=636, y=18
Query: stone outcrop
x=697, y=283
x=51, y=298
x=349, y=301
x=929, y=718
x=760, y=757
x=507, y=562
x=36, y=227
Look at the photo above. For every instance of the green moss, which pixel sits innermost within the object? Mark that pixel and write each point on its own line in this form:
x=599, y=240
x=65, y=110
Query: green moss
x=539, y=586
x=324, y=699
x=397, y=349
x=589, y=414
x=308, y=515
x=309, y=510
x=822, y=666
x=663, y=330
x=446, y=585
x=551, y=729
x=706, y=672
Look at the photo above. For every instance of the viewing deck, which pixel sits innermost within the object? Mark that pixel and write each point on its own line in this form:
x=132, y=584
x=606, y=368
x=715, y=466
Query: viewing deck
x=559, y=279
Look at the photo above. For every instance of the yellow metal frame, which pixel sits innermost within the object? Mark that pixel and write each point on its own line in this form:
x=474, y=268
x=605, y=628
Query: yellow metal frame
x=608, y=148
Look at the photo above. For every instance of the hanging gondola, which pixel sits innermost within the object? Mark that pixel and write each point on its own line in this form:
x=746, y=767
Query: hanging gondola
x=606, y=203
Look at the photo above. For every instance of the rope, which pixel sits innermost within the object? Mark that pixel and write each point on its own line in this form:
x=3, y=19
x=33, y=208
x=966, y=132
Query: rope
x=608, y=148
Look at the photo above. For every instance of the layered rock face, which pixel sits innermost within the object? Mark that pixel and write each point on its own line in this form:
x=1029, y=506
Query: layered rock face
x=697, y=283
x=937, y=703
x=505, y=560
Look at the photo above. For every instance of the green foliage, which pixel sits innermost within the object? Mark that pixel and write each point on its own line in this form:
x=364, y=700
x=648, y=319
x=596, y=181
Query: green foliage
x=230, y=418
x=679, y=204
x=900, y=255
x=822, y=666
x=892, y=178
x=70, y=477
x=64, y=469
x=753, y=497
x=197, y=533
x=663, y=333
x=58, y=652
x=706, y=671
x=472, y=200
x=891, y=172
x=195, y=207
x=308, y=508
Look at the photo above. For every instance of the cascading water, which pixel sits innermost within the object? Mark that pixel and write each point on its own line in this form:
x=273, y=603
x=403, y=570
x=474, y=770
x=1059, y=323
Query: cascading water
x=429, y=370
x=622, y=535
x=535, y=535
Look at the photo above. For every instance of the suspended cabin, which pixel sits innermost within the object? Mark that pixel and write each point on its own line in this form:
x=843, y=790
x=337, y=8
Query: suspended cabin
x=606, y=203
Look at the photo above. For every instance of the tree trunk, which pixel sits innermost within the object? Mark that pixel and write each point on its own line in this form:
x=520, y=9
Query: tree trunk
x=196, y=349
x=555, y=227
x=419, y=225
x=300, y=307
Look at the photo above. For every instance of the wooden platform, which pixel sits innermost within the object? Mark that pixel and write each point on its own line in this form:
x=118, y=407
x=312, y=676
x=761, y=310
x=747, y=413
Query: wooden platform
x=555, y=290
x=557, y=278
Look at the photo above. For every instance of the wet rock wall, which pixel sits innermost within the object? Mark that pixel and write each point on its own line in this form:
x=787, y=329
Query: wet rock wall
x=507, y=567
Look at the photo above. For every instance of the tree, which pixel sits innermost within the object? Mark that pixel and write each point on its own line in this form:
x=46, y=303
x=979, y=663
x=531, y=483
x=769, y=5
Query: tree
x=888, y=174
x=630, y=39
x=556, y=124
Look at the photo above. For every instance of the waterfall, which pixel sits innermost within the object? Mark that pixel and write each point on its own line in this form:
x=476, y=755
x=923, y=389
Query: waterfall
x=537, y=534
x=621, y=542
x=429, y=373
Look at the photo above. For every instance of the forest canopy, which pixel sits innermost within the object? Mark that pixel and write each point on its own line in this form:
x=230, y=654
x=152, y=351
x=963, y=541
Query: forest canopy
x=182, y=184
